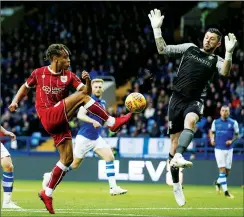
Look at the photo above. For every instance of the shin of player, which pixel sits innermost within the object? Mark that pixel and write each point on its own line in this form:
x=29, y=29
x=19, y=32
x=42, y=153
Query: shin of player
x=8, y=174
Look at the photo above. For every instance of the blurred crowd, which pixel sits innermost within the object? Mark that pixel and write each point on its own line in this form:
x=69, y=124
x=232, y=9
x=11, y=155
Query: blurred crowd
x=109, y=39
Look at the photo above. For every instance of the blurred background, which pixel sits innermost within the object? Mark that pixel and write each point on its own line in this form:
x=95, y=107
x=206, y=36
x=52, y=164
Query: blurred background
x=114, y=41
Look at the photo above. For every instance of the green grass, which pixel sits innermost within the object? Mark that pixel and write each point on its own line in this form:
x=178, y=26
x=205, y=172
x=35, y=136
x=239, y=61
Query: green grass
x=92, y=199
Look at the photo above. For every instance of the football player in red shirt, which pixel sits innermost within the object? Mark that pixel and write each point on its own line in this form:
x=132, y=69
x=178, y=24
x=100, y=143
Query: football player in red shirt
x=55, y=107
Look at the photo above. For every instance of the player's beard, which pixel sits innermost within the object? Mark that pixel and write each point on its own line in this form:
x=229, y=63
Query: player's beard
x=209, y=50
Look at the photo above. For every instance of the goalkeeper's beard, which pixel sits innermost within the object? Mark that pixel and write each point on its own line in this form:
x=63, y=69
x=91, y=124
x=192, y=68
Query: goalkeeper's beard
x=209, y=50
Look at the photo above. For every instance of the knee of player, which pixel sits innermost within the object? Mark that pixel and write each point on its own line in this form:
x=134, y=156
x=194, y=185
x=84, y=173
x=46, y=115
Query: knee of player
x=190, y=120
x=8, y=167
x=84, y=97
x=83, y=90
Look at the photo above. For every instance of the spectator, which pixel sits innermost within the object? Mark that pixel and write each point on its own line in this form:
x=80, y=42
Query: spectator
x=149, y=111
x=240, y=91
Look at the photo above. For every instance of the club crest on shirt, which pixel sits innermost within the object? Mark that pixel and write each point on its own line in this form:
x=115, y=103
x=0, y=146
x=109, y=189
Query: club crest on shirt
x=64, y=78
x=210, y=57
x=229, y=125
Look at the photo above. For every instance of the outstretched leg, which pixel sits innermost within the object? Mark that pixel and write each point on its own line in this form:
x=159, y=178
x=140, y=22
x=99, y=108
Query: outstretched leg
x=74, y=101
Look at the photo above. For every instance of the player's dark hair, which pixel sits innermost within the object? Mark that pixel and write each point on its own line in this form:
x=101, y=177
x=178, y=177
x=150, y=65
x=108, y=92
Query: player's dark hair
x=56, y=50
x=216, y=31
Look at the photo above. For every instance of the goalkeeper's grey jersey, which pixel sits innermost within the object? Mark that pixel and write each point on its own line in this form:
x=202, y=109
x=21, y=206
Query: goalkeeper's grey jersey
x=196, y=69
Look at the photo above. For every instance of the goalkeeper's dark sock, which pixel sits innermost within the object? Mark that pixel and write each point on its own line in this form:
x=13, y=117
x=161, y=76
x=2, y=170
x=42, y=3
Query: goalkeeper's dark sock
x=184, y=140
x=175, y=174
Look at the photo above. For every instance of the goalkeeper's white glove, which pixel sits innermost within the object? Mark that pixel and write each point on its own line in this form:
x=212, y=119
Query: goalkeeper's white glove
x=156, y=22
x=230, y=44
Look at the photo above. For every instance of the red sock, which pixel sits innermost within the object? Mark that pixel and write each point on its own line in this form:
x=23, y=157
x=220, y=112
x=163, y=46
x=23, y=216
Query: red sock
x=63, y=174
x=98, y=110
x=56, y=177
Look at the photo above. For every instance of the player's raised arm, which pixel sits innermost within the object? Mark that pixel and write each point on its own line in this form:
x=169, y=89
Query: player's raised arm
x=224, y=65
x=170, y=50
x=82, y=115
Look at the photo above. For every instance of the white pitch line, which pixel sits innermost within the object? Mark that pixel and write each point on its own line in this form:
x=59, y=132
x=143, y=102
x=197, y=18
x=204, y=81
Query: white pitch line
x=113, y=214
x=86, y=213
x=124, y=209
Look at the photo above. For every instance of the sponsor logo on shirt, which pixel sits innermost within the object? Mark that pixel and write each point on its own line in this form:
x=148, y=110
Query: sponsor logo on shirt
x=52, y=90
x=203, y=61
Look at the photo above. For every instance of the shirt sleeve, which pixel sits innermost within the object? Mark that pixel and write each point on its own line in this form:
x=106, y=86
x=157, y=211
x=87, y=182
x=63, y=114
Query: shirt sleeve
x=236, y=127
x=82, y=110
x=177, y=50
x=219, y=64
x=31, y=81
x=213, y=126
x=76, y=82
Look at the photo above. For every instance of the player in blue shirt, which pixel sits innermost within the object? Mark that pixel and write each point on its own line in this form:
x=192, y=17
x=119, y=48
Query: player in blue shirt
x=224, y=132
x=88, y=138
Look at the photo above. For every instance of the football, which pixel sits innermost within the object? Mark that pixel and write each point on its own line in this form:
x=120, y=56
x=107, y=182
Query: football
x=135, y=102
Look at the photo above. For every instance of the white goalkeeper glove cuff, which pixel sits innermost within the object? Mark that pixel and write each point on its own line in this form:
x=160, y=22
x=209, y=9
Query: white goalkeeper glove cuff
x=157, y=32
x=228, y=56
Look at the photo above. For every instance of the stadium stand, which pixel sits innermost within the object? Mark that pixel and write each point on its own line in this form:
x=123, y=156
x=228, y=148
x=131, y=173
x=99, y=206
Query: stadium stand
x=120, y=44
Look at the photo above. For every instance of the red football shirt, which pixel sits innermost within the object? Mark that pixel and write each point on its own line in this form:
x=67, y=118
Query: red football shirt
x=51, y=87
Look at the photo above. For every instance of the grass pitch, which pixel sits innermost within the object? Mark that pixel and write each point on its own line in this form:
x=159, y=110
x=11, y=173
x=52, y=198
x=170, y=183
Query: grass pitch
x=93, y=199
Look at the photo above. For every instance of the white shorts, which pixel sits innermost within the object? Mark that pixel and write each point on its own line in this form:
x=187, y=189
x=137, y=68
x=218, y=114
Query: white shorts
x=83, y=145
x=224, y=158
x=4, y=151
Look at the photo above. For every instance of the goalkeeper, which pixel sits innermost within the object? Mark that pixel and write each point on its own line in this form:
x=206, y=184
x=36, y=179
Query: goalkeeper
x=197, y=68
